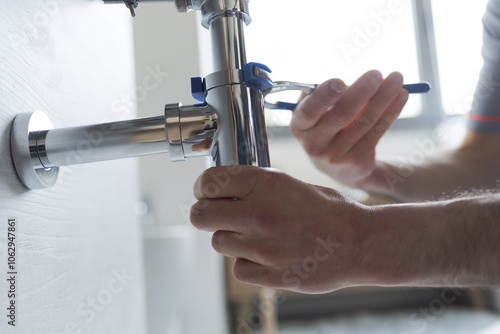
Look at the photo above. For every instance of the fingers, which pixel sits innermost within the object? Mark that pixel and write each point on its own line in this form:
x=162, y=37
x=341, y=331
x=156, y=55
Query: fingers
x=231, y=244
x=315, y=105
x=219, y=214
x=354, y=98
x=232, y=181
x=225, y=182
x=318, y=137
x=253, y=273
x=232, y=198
x=237, y=245
x=368, y=116
x=371, y=139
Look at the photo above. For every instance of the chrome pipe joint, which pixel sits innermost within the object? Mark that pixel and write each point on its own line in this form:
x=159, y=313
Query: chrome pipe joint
x=228, y=125
x=190, y=130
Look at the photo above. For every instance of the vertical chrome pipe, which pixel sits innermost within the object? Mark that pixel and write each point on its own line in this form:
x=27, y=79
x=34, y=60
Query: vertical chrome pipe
x=241, y=138
x=228, y=43
x=101, y=142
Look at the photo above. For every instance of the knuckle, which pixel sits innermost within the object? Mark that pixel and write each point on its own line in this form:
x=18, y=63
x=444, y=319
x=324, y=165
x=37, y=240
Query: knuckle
x=266, y=254
x=201, y=183
x=380, y=128
x=314, y=144
x=197, y=213
x=268, y=179
x=295, y=129
x=393, y=112
x=337, y=118
x=364, y=122
x=321, y=98
x=216, y=241
x=238, y=272
x=262, y=220
x=312, y=149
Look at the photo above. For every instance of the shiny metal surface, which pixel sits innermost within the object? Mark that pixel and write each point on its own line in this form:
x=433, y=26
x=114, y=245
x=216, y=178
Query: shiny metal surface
x=241, y=138
x=187, y=5
x=223, y=78
x=23, y=141
x=173, y=132
x=281, y=86
x=190, y=130
x=181, y=5
x=38, y=150
x=107, y=141
x=212, y=10
x=259, y=127
x=230, y=127
x=228, y=43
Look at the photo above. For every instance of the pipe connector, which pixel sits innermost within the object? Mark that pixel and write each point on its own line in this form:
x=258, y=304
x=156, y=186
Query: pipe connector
x=214, y=9
x=190, y=130
x=210, y=9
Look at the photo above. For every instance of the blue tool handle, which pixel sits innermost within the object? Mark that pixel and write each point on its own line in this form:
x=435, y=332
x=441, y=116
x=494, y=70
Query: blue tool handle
x=416, y=88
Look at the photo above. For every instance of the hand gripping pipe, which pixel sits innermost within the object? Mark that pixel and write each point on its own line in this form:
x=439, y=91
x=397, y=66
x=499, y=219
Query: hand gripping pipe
x=228, y=126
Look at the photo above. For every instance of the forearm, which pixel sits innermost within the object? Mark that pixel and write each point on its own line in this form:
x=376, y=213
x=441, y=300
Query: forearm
x=473, y=166
x=435, y=179
x=451, y=243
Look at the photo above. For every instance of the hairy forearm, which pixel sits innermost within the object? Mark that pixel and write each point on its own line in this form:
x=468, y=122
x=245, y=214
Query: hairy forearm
x=474, y=166
x=448, y=243
x=435, y=179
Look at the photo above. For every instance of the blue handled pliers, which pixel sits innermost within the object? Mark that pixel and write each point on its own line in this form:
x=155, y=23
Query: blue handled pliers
x=281, y=86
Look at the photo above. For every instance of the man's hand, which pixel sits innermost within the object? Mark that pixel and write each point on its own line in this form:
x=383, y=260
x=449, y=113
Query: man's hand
x=340, y=127
x=283, y=233
x=288, y=234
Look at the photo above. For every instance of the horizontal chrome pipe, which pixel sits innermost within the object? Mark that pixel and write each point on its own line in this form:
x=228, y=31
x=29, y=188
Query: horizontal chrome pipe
x=38, y=150
x=101, y=142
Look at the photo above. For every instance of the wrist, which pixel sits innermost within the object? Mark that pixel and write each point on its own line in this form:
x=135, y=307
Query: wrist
x=402, y=245
x=385, y=180
x=446, y=243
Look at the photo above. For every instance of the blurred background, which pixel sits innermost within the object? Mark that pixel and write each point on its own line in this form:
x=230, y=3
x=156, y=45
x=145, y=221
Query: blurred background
x=189, y=287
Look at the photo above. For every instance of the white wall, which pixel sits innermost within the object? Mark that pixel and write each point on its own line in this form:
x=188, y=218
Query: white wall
x=78, y=248
x=184, y=275
x=166, y=42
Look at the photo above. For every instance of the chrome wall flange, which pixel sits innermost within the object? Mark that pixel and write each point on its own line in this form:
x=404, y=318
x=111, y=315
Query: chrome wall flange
x=24, y=149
